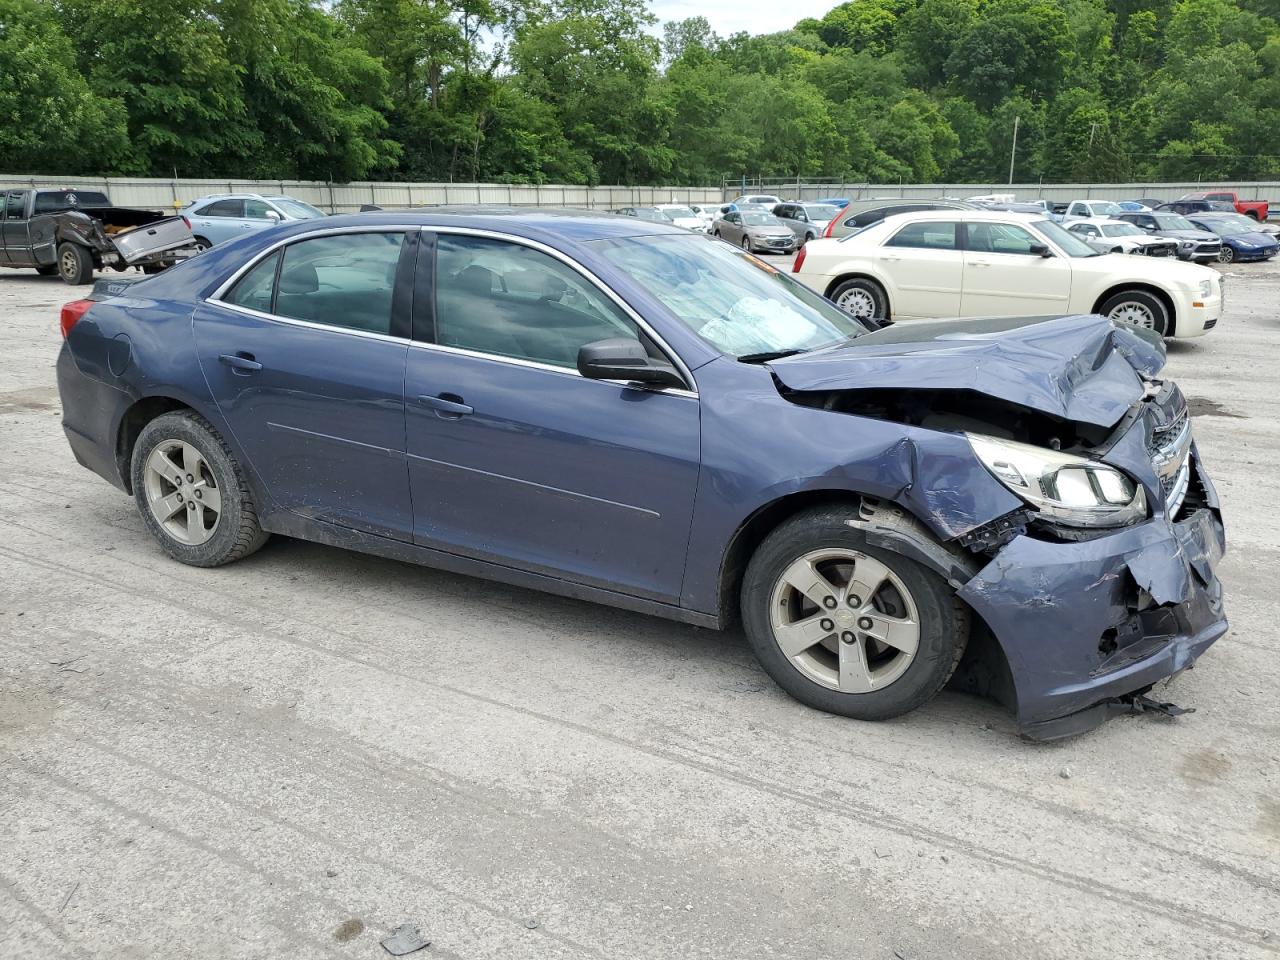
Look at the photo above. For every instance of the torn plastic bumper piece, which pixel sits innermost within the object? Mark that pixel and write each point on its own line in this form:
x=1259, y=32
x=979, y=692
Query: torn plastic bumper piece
x=1086, y=626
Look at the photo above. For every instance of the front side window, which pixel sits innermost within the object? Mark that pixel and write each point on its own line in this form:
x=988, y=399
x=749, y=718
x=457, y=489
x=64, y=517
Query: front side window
x=15, y=204
x=929, y=235
x=256, y=209
x=999, y=238
x=509, y=300
x=735, y=302
x=345, y=280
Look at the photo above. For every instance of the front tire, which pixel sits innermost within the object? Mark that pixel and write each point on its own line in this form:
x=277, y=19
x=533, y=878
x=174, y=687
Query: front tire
x=75, y=264
x=847, y=627
x=861, y=298
x=191, y=493
x=1140, y=309
x=1226, y=254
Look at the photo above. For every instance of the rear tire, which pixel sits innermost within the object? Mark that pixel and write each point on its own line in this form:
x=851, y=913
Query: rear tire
x=862, y=298
x=191, y=493
x=1140, y=309
x=746, y=243
x=75, y=264
x=202, y=244
x=843, y=669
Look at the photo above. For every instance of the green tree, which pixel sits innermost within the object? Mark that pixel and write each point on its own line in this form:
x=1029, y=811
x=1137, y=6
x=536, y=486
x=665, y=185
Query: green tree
x=51, y=121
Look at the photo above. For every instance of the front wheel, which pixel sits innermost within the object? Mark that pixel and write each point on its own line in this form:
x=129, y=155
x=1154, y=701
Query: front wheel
x=1138, y=309
x=75, y=264
x=192, y=494
x=847, y=627
x=861, y=298
x=1226, y=254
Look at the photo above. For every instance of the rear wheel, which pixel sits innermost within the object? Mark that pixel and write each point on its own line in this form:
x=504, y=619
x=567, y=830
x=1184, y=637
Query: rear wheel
x=846, y=627
x=1138, y=309
x=192, y=494
x=202, y=244
x=746, y=243
x=75, y=264
x=861, y=298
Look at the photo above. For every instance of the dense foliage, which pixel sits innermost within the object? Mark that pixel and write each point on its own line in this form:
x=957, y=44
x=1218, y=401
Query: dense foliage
x=583, y=91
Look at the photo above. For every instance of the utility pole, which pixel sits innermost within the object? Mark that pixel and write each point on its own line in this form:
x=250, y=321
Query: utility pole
x=1093, y=129
x=1013, y=152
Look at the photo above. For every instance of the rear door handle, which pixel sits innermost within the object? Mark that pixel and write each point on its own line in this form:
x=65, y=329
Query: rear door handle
x=448, y=406
x=241, y=363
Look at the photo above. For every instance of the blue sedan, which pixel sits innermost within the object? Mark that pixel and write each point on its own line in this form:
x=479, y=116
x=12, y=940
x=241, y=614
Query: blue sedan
x=628, y=413
x=1240, y=243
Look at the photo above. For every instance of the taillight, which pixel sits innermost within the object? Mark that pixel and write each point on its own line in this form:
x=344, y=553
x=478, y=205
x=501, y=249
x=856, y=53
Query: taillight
x=71, y=314
x=795, y=267
x=187, y=222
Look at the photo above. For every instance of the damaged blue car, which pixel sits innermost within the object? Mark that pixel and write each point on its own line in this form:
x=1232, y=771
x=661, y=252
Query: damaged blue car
x=624, y=412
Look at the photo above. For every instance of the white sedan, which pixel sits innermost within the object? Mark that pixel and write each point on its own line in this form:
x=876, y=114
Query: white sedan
x=1120, y=236
x=969, y=263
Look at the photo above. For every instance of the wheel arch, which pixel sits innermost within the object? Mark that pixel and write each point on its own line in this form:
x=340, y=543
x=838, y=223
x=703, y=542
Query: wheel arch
x=861, y=273
x=1158, y=292
x=132, y=422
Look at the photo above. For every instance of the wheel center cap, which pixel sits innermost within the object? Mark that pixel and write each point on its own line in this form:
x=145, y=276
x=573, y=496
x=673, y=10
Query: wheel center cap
x=845, y=617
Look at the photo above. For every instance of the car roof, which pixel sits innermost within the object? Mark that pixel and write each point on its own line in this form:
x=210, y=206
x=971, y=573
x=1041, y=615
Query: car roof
x=968, y=216
x=1102, y=221
x=546, y=224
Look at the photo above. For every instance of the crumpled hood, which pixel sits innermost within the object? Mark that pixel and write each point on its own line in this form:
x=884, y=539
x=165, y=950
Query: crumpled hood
x=1079, y=368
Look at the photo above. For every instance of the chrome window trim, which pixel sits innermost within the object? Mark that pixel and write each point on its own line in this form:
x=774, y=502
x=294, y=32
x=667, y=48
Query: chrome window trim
x=640, y=322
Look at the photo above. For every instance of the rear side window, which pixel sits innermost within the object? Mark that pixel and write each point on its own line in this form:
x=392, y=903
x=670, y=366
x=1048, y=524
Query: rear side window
x=345, y=280
x=15, y=204
x=925, y=236
x=868, y=217
x=509, y=300
x=256, y=288
x=223, y=208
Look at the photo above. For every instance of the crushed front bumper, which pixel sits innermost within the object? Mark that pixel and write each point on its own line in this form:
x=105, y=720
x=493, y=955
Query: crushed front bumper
x=1084, y=624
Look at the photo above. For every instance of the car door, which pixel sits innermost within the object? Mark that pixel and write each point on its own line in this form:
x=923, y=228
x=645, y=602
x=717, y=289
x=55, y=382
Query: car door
x=219, y=220
x=1004, y=276
x=516, y=459
x=731, y=228
x=258, y=215
x=925, y=266
x=17, y=246
x=305, y=356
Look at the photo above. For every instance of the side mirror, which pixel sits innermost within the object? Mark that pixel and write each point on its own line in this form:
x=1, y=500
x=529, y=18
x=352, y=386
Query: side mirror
x=1040, y=250
x=273, y=216
x=623, y=358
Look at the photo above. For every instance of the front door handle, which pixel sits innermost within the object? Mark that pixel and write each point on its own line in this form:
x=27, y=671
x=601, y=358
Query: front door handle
x=448, y=406
x=240, y=363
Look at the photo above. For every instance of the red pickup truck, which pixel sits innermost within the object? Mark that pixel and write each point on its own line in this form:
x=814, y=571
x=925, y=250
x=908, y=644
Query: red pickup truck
x=1258, y=209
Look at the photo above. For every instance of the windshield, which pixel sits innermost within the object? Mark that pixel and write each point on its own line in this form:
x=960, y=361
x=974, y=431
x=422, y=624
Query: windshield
x=760, y=220
x=1067, y=241
x=1120, y=230
x=650, y=213
x=678, y=212
x=737, y=303
x=820, y=211
x=1225, y=228
x=297, y=209
x=1172, y=221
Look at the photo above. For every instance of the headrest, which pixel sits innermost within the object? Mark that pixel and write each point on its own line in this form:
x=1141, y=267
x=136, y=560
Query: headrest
x=299, y=279
x=476, y=279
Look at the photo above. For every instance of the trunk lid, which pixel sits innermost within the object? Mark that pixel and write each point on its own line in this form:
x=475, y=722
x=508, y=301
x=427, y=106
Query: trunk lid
x=1077, y=368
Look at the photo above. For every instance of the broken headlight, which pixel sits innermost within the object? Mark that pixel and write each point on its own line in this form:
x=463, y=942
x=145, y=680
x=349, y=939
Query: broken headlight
x=1070, y=490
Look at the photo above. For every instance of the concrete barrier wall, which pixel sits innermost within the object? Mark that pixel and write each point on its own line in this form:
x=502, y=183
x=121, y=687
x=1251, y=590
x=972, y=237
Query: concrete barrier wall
x=348, y=197
x=801, y=190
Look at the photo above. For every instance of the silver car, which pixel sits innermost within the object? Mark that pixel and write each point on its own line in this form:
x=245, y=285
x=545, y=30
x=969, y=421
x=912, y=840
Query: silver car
x=807, y=221
x=755, y=231
x=216, y=219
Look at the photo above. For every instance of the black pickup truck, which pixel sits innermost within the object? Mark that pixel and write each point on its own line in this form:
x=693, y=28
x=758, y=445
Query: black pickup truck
x=74, y=232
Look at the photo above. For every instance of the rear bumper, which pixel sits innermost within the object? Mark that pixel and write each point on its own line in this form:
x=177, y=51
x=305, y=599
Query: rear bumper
x=1083, y=624
x=91, y=412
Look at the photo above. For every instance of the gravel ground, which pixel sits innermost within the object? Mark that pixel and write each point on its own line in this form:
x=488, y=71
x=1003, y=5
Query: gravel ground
x=290, y=756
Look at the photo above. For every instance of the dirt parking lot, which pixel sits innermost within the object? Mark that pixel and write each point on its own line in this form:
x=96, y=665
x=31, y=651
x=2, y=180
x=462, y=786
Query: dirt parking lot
x=292, y=755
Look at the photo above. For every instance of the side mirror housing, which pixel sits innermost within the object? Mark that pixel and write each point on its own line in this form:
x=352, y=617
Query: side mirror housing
x=273, y=216
x=1040, y=250
x=622, y=358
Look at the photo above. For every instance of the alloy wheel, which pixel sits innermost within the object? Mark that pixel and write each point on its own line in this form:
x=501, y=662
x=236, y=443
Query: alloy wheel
x=1226, y=254
x=845, y=620
x=182, y=492
x=69, y=263
x=1133, y=313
